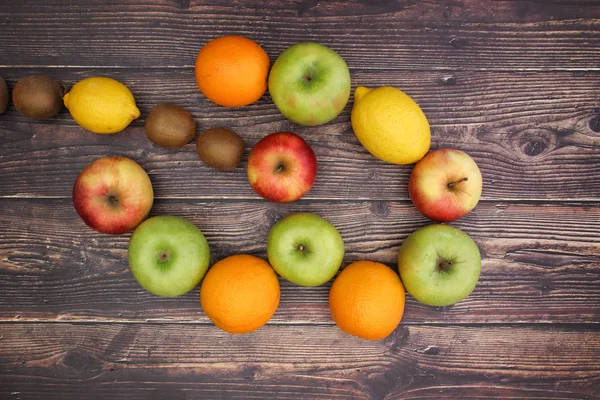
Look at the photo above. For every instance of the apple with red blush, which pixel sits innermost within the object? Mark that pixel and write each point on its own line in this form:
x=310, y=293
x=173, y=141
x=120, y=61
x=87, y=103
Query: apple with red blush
x=445, y=185
x=113, y=195
x=282, y=167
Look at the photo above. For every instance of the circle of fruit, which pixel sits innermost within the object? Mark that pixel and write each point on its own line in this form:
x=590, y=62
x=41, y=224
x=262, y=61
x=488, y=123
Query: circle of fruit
x=241, y=293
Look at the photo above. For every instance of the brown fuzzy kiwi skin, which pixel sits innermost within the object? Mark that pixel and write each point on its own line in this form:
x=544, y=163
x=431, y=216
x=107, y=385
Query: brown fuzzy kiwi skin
x=3, y=95
x=170, y=125
x=37, y=97
x=220, y=148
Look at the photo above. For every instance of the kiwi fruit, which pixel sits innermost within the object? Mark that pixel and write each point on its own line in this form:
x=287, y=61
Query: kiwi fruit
x=220, y=148
x=169, y=125
x=3, y=95
x=37, y=96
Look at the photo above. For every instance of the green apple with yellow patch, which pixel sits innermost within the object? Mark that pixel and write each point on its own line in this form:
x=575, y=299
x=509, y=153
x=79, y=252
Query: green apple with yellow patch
x=309, y=83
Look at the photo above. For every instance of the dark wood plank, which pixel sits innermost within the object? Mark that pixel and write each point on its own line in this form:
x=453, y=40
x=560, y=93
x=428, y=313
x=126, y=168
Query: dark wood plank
x=514, y=83
x=449, y=98
x=141, y=361
x=401, y=35
x=532, y=138
x=541, y=263
x=456, y=11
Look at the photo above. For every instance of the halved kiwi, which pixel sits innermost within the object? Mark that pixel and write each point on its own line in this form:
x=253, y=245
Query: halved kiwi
x=37, y=96
x=170, y=126
x=220, y=148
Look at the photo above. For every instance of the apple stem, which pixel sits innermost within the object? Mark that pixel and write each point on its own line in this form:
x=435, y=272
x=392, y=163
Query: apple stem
x=301, y=248
x=445, y=266
x=451, y=184
x=279, y=168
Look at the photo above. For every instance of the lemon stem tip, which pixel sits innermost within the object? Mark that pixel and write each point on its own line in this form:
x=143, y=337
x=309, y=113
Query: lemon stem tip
x=360, y=92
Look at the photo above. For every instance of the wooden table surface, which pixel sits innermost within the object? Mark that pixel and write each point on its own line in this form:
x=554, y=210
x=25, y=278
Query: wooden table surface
x=516, y=84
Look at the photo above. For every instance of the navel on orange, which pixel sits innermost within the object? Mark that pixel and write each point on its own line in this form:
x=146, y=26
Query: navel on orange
x=367, y=300
x=240, y=293
x=232, y=71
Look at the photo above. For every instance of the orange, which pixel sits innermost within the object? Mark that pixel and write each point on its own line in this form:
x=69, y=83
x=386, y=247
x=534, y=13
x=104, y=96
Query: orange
x=232, y=71
x=240, y=293
x=367, y=300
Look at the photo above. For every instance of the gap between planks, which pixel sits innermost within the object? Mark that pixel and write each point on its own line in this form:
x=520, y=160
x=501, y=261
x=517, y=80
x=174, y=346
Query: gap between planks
x=166, y=321
x=355, y=69
x=307, y=200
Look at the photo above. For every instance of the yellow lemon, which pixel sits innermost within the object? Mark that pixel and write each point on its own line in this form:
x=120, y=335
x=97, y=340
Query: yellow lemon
x=390, y=125
x=101, y=105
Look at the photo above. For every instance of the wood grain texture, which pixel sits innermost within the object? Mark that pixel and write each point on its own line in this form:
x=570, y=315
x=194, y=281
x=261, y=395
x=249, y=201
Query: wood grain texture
x=541, y=263
x=400, y=35
x=516, y=84
x=533, y=136
x=456, y=11
x=141, y=361
x=450, y=99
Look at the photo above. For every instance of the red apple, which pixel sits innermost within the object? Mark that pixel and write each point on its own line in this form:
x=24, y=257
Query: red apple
x=445, y=185
x=113, y=195
x=282, y=167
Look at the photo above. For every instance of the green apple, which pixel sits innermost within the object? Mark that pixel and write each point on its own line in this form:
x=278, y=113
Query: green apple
x=168, y=255
x=309, y=83
x=439, y=265
x=305, y=249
